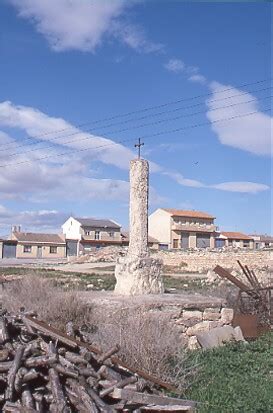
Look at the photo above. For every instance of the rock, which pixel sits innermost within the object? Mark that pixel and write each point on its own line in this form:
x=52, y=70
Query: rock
x=216, y=337
x=238, y=335
x=212, y=314
x=196, y=315
x=193, y=343
x=227, y=315
x=201, y=327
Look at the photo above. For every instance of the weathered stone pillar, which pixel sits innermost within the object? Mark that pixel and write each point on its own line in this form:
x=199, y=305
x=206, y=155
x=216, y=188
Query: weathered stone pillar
x=137, y=272
x=139, y=192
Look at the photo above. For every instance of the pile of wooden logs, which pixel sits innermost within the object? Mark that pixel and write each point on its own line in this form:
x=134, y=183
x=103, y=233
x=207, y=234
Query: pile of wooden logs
x=44, y=370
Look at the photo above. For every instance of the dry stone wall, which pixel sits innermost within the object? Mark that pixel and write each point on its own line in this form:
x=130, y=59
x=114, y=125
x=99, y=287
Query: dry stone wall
x=203, y=261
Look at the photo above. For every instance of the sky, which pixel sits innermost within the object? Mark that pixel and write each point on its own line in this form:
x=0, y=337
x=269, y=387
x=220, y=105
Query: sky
x=82, y=80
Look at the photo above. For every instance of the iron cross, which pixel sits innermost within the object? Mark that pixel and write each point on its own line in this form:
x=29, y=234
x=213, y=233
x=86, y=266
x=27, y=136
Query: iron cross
x=138, y=145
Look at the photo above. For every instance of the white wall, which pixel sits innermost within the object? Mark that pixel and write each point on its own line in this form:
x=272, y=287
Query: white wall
x=159, y=226
x=71, y=229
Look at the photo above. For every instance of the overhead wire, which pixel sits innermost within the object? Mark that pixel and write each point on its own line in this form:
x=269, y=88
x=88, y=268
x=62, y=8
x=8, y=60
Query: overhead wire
x=130, y=139
x=144, y=110
x=132, y=128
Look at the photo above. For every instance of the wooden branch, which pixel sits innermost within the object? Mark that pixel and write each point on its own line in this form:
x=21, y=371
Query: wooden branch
x=143, y=398
x=12, y=372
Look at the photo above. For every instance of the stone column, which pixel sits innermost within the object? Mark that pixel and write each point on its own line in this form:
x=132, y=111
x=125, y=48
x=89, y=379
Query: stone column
x=139, y=192
x=138, y=273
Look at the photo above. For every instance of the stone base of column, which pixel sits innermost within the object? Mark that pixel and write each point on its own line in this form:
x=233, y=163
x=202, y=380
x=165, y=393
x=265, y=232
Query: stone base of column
x=137, y=276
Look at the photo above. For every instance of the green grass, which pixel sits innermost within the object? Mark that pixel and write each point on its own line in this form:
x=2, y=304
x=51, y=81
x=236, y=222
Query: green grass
x=234, y=378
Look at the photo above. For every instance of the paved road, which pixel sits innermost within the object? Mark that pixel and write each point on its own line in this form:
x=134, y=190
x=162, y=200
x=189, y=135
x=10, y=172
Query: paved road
x=14, y=262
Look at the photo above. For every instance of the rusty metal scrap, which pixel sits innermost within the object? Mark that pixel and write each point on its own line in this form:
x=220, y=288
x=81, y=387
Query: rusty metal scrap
x=44, y=370
x=254, y=308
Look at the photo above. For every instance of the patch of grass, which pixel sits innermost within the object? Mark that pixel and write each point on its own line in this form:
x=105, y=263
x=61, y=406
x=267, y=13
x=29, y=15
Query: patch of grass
x=234, y=378
x=186, y=284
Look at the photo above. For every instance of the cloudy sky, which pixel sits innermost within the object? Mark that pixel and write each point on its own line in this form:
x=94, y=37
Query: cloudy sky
x=82, y=80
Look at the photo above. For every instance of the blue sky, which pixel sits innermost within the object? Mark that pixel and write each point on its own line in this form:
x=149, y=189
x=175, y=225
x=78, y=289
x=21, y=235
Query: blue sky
x=67, y=63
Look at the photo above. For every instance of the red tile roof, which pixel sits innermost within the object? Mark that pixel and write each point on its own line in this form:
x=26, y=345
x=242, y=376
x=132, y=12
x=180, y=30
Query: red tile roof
x=38, y=238
x=190, y=214
x=236, y=235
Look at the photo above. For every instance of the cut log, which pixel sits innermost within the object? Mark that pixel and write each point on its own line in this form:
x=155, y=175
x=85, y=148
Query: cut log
x=57, y=391
x=16, y=364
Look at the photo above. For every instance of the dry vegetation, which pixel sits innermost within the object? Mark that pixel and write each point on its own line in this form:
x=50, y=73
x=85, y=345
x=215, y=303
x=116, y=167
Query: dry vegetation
x=146, y=341
x=43, y=296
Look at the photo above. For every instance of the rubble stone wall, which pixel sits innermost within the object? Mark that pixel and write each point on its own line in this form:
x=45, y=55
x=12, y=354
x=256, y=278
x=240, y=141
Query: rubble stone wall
x=202, y=261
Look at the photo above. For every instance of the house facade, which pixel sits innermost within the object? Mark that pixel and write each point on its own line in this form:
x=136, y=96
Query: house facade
x=262, y=241
x=153, y=243
x=35, y=245
x=182, y=229
x=84, y=234
x=235, y=240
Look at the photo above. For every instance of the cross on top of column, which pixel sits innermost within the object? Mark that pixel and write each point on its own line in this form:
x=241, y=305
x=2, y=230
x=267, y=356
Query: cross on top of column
x=138, y=145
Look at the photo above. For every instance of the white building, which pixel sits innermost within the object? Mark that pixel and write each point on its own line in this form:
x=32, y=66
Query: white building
x=83, y=234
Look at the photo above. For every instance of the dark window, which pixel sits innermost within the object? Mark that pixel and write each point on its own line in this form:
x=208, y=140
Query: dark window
x=175, y=243
x=246, y=243
x=97, y=234
x=53, y=250
x=27, y=248
x=111, y=234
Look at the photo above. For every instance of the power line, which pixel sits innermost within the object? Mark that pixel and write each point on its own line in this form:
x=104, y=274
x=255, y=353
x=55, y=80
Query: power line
x=152, y=107
x=131, y=139
x=130, y=128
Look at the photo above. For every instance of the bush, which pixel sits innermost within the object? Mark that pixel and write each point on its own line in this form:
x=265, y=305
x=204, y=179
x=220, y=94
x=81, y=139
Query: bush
x=147, y=341
x=53, y=305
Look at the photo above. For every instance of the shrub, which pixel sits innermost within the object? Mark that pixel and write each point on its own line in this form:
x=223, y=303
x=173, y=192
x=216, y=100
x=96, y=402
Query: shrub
x=52, y=304
x=147, y=341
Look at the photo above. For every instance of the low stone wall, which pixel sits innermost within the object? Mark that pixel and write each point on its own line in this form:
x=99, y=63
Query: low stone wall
x=202, y=261
x=200, y=321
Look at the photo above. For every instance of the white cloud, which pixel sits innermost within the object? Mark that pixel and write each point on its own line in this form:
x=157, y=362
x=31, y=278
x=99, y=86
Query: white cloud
x=36, y=123
x=83, y=24
x=38, y=220
x=198, y=79
x=181, y=180
x=249, y=133
x=175, y=65
x=242, y=187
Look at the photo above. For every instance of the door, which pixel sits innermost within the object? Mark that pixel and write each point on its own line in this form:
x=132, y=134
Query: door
x=71, y=248
x=203, y=240
x=39, y=251
x=9, y=250
x=185, y=240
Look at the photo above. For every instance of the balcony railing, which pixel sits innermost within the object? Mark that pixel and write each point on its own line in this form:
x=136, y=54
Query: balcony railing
x=194, y=227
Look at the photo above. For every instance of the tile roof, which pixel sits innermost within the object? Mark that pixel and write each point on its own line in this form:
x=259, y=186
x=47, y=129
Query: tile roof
x=236, y=235
x=99, y=223
x=188, y=213
x=38, y=238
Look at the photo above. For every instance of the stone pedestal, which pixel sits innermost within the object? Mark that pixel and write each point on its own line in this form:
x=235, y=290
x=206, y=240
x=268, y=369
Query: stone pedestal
x=137, y=276
x=138, y=273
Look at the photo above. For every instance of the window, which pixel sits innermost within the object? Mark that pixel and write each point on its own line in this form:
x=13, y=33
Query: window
x=175, y=243
x=111, y=234
x=246, y=244
x=27, y=248
x=97, y=234
x=53, y=249
x=87, y=232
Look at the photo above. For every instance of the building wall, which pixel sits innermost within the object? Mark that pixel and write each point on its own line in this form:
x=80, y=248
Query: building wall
x=61, y=251
x=1, y=249
x=159, y=226
x=239, y=244
x=104, y=234
x=71, y=229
